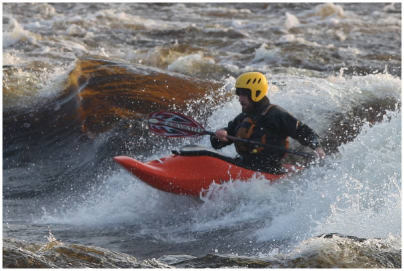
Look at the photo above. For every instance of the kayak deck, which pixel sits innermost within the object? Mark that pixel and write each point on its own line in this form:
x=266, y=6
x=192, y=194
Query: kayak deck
x=184, y=173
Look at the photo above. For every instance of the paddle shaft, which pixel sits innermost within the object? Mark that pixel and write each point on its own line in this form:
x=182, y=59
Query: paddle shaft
x=175, y=124
x=233, y=138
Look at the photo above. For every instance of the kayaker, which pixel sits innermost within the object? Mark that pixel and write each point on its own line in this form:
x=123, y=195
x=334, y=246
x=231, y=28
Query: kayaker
x=264, y=122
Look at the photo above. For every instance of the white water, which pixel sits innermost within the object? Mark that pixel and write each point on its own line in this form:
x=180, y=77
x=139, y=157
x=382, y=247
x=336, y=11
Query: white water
x=356, y=192
x=83, y=30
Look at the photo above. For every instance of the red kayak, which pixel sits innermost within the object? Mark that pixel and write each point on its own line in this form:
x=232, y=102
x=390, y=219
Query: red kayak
x=192, y=170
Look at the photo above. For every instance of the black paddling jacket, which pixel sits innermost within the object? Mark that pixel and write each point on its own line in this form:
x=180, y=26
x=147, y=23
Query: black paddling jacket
x=269, y=124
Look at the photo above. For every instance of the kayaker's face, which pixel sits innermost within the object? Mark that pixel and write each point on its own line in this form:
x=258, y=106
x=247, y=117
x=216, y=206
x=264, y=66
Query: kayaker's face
x=245, y=102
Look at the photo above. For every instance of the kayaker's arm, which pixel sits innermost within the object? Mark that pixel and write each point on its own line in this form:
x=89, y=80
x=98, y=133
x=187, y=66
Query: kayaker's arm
x=300, y=131
x=309, y=137
x=217, y=143
x=306, y=136
x=231, y=130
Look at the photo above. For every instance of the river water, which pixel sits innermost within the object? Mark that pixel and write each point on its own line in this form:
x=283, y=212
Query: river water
x=78, y=78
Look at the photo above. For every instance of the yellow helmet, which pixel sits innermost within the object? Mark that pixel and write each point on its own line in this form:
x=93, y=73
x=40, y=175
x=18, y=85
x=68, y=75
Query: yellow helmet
x=256, y=82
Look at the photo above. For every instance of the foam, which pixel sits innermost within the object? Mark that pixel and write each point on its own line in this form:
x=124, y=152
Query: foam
x=10, y=58
x=291, y=21
x=123, y=17
x=17, y=34
x=190, y=64
x=371, y=203
x=38, y=87
x=329, y=9
x=355, y=193
x=262, y=53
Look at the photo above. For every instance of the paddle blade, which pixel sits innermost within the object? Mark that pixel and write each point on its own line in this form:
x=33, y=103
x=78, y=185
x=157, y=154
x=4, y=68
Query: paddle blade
x=174, y=124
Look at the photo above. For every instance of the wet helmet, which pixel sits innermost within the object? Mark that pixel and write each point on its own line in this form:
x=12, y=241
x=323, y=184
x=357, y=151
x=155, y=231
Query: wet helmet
x=255, y=82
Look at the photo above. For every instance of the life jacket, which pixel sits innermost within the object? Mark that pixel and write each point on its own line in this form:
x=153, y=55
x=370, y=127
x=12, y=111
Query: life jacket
x=247, y=130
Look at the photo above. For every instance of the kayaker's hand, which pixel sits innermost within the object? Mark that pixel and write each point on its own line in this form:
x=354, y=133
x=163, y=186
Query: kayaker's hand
x=221, y=134
x=320, y=153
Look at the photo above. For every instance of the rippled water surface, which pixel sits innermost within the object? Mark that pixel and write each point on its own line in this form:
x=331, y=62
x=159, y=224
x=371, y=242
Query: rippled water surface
x=79, y=78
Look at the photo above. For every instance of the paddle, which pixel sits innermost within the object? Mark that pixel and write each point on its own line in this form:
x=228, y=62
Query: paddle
x=173, y=124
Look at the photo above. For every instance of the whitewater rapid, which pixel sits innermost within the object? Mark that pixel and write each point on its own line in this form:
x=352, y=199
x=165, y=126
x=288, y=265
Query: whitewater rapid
x=79, y=77
x=356, y=191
